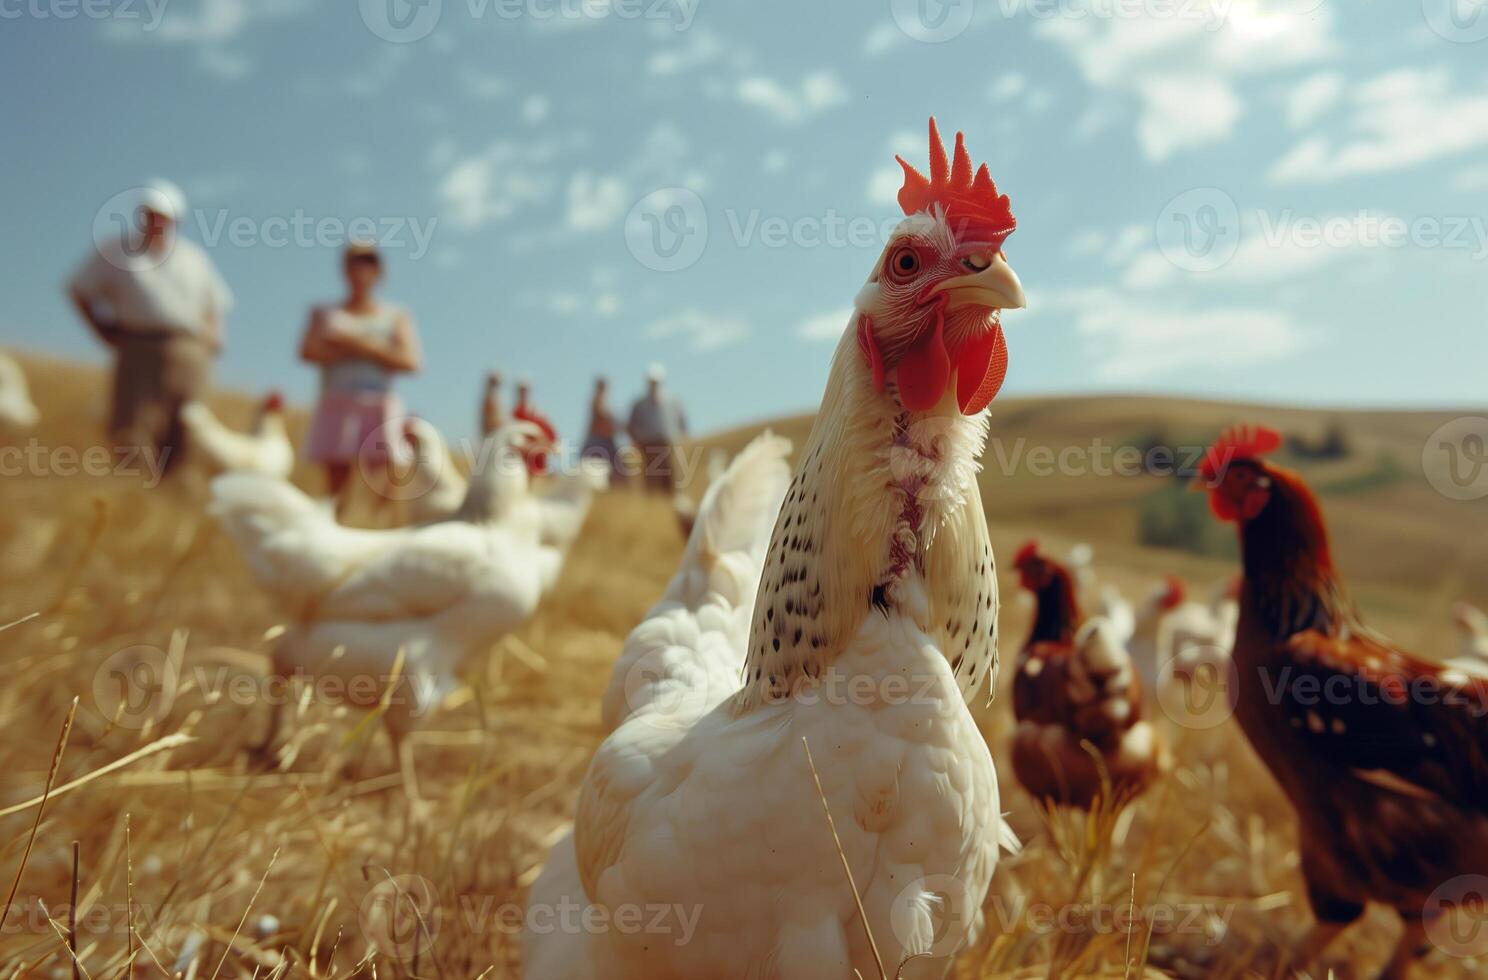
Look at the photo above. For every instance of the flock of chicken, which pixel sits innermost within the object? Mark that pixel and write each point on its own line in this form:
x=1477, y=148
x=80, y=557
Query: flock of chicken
x=790, y=750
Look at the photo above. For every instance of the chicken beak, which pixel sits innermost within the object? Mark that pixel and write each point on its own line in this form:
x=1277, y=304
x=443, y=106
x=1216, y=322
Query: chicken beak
x=994, y=288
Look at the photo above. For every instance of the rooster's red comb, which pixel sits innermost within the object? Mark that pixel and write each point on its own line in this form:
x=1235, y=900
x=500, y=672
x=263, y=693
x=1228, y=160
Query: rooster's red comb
x=1027, y=553
x=1241, y=442
x=972, y=206
x=1174, y=592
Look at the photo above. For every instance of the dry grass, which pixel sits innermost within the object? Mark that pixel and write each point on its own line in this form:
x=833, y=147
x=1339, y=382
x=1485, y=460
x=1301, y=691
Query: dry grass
x=192, y=859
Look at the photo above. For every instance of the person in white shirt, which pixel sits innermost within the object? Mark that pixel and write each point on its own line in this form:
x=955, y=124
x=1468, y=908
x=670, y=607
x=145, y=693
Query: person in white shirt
x=656, y=426
x=156, y=299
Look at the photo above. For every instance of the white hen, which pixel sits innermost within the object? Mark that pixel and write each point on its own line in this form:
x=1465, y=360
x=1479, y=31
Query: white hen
x=264, y=449
x=17, y=411
x=873, y=623
x=436, y=488
x=440, y=594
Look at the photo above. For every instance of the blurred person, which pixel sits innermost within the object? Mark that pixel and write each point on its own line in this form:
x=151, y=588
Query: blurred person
x=656, y=426
x=535, y=455
x=492, y=414
x=360, y=344
x=155, y=298
x=599, y=441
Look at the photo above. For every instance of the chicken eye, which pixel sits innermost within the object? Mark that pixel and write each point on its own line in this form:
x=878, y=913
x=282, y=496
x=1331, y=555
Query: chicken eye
x=904, y=263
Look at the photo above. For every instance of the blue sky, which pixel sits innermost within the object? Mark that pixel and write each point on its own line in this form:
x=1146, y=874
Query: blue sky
x=1273, y=199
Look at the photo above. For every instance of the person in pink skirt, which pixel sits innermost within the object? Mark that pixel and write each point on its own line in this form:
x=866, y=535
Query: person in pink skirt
x=360, y=344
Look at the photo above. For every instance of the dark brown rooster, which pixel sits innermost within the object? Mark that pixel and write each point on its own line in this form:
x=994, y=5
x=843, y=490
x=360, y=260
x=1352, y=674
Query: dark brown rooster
x=1076, y=684
x=1382, y=754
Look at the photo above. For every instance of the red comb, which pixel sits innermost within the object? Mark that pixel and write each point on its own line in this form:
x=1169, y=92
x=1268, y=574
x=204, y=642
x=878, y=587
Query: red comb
x=1176, y=591
x=273, y=401
x=1027, y=553
x=1241, y=442
x=971, y=205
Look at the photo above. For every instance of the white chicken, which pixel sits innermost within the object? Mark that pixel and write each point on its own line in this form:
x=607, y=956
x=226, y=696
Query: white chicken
x=439, y=594
x=436, y=487
x=17, y=411
x=264, y=449
x=874, y=622
x=563, y=500
x=1194, y=645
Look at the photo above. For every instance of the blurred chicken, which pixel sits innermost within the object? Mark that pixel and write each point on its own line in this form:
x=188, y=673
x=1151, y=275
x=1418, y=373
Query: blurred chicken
x=265, y=448
x=438, y=594
x=437, y=487
x=1075, y=684
x=1146, y=637
x=861, y=626
x=1383, y=755
x=563, y=500
x=17, y=411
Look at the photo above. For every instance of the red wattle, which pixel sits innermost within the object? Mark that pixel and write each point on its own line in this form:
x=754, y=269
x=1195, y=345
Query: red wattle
x=925, y=369
x=981, y=366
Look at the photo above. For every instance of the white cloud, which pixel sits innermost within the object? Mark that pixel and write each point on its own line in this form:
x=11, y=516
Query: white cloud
x=1181, y=69
x=206, y=21
x=483, y=85
x=818, y=91
x=775, y=162
x=884, y=36
x=1471, y=179
x=1184, y=111
x=219, y=62
x=595, y=201
x=824, y=326
x=1132, y=343
x=700, y=331
x=1400, y=119
x=493, y=185
x=1312, y=97
x=534, y=109
x=700, y=47
x=1007, y=87
x=885, y=181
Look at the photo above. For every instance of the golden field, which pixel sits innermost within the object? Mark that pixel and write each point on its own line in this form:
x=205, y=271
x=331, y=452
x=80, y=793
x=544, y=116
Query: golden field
x=187, y=846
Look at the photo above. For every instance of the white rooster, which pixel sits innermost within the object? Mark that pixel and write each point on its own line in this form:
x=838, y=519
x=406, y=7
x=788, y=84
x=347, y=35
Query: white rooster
x=1194, y=644
x=17, y=411
x=874, y=622
x=439, y=594
x=264, y=449
x=437, y=486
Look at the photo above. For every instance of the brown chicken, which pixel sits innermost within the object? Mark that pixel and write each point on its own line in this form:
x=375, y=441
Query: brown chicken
x=1382, y=754
x=1075, y=687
